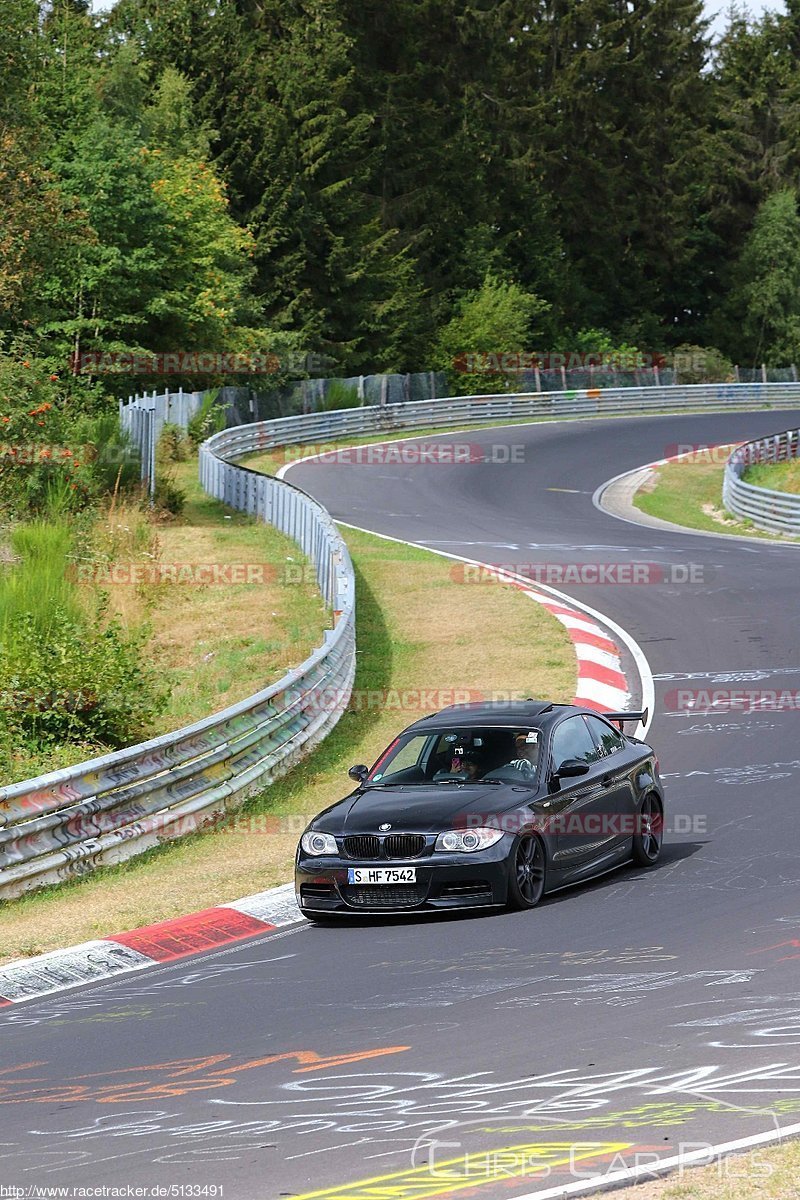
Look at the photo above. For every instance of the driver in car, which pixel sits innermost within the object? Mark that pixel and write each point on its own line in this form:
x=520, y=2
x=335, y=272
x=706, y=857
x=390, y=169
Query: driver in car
x=526, y=750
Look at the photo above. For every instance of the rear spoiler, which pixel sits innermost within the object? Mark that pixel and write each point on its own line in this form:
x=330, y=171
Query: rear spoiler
x=619, y=718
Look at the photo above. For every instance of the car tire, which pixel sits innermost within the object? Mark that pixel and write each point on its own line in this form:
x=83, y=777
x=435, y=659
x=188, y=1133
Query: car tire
x=649, y=836
x=527, y=872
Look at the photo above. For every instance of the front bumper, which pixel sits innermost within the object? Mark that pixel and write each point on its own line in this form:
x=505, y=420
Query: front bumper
x=444, y=881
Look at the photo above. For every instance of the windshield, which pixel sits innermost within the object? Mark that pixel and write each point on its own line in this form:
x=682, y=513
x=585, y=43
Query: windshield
x=502, y=755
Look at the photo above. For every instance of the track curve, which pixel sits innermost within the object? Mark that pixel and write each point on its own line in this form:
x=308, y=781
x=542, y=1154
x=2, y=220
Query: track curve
x=608, y=1028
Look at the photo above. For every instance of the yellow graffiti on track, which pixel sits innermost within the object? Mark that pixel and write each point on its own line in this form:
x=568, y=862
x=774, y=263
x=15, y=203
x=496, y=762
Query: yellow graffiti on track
x=470, y=1171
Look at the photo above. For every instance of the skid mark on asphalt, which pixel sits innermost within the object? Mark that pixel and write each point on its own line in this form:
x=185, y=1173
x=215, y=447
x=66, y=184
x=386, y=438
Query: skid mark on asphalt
x=470, y=1171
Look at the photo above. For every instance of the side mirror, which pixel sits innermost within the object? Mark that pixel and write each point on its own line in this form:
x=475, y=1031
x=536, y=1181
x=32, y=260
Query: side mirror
x=359, y=773
x=571, y=768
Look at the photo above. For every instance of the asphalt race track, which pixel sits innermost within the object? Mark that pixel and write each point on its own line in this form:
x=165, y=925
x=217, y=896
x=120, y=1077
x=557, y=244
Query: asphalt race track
x=620, y=1022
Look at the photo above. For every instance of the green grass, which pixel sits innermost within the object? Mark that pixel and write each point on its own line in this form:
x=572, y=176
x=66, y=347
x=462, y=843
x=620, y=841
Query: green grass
x=36, y=582
x=781, y=477
x=690, y=493
x=212, y=645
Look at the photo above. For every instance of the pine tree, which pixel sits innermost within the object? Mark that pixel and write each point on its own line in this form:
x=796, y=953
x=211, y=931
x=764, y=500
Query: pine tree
x=276, y=82
x=621, y=128
x=767, y=299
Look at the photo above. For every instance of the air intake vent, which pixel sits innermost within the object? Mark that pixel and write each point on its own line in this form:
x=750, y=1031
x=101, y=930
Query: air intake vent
x=400, y=896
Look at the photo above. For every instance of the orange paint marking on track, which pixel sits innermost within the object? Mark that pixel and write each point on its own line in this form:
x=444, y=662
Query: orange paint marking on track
x=178, y=1077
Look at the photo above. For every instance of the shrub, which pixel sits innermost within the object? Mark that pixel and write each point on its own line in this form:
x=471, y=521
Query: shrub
x=169, y=497
x=497, y=319
x=38, y=449
x=209, y=419
x=339, y=394
x=701, y=364
x=67, y=672
x=114, y=461
x=173, y=445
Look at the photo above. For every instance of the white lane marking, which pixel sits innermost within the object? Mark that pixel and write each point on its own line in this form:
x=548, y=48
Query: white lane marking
x=579, y=624
x=603, y=658
x=705, y=1156
x=604, y=694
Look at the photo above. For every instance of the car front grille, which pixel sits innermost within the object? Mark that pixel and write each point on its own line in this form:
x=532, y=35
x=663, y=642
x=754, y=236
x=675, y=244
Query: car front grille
x=362, y=846
x=396, y=845
x=404, y=845
x=401, y=895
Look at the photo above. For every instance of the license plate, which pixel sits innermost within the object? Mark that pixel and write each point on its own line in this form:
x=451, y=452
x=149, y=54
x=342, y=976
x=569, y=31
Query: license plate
x=381, y=875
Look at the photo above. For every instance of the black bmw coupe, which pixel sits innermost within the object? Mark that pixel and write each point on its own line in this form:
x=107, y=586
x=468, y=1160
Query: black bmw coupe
x=485, y=805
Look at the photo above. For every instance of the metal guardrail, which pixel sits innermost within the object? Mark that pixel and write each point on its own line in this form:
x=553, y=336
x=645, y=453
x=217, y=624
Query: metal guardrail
x=64, y=824
x=777, y=512
x=467, y=410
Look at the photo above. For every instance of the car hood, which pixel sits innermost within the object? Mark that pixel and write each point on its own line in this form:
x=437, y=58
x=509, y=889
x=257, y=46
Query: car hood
x=417, y=809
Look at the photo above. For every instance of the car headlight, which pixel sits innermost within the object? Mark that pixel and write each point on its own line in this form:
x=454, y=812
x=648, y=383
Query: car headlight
x=319, y=843
x=468, y=840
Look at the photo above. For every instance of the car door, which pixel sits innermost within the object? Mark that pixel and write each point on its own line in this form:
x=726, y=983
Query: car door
x=578, y=806
x=616, y=775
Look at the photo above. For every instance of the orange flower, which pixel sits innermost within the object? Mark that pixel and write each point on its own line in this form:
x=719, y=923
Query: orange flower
x=53, y=379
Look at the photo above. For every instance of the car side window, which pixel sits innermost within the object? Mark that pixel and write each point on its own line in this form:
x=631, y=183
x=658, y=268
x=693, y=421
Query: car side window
x=607, y=740
x=407, y=756
x=571, y=739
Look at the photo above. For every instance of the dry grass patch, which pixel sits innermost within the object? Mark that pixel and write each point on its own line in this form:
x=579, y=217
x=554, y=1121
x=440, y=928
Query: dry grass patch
x=215, y=643
x=763, y=1174
x=418, y=630
x=780, y=477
